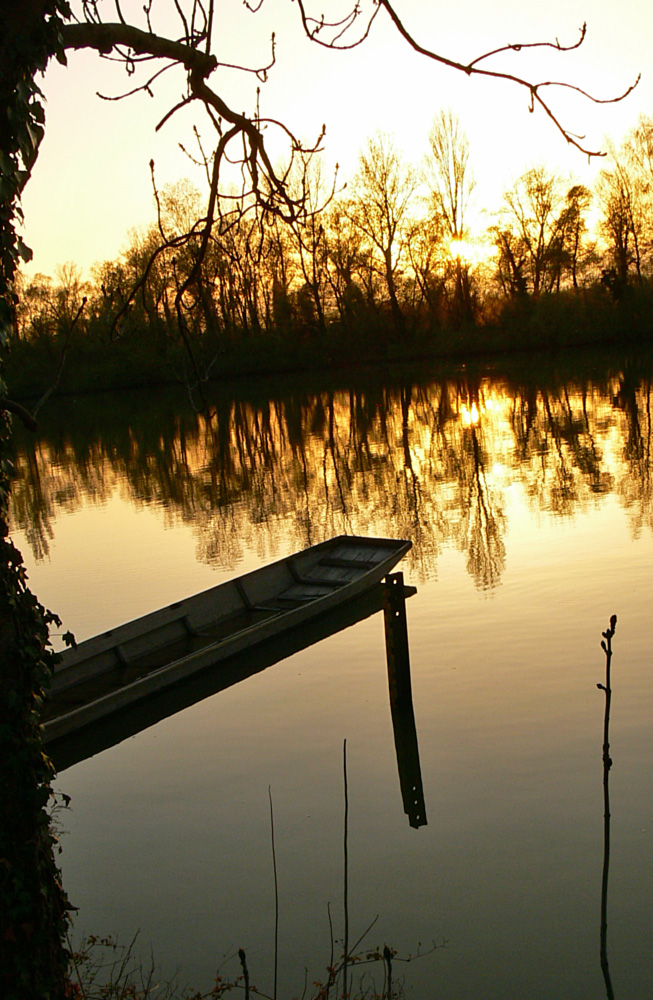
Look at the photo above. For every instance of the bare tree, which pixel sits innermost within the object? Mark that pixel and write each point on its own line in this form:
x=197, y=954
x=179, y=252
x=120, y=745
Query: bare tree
x=448, y=173
x=381, y=194
x=625, y=194
x=539, y=233
x=311, y=245
x=344, y=259
x=451, y=184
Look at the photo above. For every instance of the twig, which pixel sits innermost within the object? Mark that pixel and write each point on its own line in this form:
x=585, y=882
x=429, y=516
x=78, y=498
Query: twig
x=387, y=958
x=346, y=875
x=11, y=406
x=243, y=963
x=79, y=985
x=276, y=896
x=62, y=360
x=606, y=646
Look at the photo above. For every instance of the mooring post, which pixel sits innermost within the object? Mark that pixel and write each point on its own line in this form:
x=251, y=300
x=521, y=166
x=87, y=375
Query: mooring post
x=396, y=639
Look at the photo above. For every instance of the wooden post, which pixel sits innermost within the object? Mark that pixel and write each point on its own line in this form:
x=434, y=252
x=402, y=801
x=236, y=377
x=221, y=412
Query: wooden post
x=396, y=640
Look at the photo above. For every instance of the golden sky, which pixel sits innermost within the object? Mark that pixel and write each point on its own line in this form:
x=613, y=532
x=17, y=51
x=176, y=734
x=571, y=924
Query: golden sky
x=92, y=181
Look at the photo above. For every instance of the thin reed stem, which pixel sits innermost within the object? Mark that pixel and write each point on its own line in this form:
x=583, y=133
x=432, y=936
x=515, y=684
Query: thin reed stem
x=606, y=646
x=346, y=874
x=243, y=963
x=276, y=897
x=387, y=957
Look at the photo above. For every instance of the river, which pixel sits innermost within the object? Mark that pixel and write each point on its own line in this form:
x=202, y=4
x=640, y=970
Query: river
x=527, y=496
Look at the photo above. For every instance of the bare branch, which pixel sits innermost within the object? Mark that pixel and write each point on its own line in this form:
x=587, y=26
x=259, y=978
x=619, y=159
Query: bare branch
x=313, y=27
x=11, y=406
x=519, y=46
x=105, y=37
x=62, y=360
x=532, y=88
x=177, y=107
x=260, y=72
x=330, y=34
x=147, y=86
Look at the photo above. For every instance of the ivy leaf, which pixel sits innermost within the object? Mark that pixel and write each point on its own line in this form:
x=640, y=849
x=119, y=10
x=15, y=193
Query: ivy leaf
x=37, y=112
x=6, y=164
x=24, y=251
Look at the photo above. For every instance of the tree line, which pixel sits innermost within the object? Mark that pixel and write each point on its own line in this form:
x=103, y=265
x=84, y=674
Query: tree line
x=388, y=259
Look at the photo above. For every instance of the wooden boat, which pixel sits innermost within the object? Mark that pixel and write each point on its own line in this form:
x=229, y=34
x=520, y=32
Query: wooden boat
x=79, y=744
x=109, y=672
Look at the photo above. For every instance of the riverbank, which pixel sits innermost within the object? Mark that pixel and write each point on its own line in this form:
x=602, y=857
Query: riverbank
x=526, y=326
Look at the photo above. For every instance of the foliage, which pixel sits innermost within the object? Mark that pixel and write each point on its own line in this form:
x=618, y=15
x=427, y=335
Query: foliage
x=22, y=120
x=33, y=919
x=34, y=913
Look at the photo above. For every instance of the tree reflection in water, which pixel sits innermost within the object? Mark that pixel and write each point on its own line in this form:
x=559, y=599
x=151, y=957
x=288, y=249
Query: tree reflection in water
x=428, y=460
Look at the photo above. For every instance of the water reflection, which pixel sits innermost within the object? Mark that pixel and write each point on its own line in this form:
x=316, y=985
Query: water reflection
x=429, y=460
x=109, y=730
x=401, y=699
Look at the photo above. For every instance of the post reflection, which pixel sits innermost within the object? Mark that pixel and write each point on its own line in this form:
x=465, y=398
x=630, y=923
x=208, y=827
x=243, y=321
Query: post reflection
x=401, y=699
x=108, y=731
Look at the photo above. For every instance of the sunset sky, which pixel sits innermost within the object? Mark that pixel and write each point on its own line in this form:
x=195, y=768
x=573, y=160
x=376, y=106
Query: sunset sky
x=91, y=184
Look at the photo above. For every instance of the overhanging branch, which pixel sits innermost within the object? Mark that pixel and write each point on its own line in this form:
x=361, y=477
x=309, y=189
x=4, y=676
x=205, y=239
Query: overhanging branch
x=105, y=37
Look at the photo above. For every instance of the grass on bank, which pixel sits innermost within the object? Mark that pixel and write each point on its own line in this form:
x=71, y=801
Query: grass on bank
x=101, y=969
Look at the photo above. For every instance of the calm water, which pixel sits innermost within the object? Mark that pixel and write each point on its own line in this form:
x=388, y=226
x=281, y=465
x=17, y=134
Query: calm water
x=528, y=500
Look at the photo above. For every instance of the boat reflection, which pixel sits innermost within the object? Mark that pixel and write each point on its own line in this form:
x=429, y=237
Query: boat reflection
x=74, y=747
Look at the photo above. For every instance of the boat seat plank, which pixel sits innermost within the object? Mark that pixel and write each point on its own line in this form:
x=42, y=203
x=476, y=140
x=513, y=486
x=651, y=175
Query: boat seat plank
x=323, y=581
x=341, y=562
x=295, y=598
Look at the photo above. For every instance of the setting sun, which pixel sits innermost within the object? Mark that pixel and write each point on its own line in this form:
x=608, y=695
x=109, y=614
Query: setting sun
x=469, y=251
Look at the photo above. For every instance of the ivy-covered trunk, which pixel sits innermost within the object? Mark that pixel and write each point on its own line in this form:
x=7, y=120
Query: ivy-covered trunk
x=33, y=914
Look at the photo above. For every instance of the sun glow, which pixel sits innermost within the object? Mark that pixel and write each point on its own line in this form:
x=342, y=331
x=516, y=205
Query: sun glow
x=469, y=415
x=469, y=251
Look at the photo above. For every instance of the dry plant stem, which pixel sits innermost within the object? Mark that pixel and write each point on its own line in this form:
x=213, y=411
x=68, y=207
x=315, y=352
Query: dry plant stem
x=29, y=419
x=276, y=897
x=387, y=957
x=243, y=963
x=78, y=985
x=331, y=976
x=606, y=646
x=346, y=875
